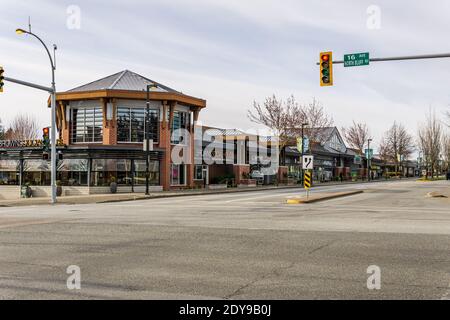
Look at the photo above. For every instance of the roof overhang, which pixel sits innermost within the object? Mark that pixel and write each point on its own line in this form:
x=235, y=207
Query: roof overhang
x=132, y=95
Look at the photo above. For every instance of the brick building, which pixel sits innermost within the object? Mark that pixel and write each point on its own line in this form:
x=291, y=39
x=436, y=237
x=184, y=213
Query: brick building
x=101, y=127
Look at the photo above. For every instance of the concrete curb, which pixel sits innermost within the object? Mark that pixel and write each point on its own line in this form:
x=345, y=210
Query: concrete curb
x=325, y=197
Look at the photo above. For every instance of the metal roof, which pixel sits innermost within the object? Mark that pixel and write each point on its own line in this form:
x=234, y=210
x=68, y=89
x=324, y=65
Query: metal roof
x=124, y=80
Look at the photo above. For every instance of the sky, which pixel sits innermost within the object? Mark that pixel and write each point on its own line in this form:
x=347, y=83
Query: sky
x=234, y=52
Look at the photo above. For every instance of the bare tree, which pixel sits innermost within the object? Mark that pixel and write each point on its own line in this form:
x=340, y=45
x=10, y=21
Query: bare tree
x=277, y=115
x=384, y=151
x=2, y=131
x=446, y=151
x=357, y=135
x=23, y=127
x=315, y=116
x=285, y=119
x=430, y=140
x=398, y=144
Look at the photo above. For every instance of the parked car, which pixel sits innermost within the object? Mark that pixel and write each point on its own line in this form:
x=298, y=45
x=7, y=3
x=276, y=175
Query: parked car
x=448, y=175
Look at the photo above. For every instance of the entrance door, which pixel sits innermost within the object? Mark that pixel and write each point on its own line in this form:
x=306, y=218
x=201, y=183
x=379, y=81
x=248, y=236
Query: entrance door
x=205, y=175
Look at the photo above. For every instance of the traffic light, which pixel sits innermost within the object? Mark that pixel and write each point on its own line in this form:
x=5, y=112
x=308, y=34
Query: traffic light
x=46, y=138
x=1, y=79
x=326, y=69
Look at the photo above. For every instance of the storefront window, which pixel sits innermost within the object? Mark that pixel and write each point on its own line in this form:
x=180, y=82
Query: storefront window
x=140, y=170
x=36, y=172
x=131, y=124
x=181, y=120
x=73, y=172
x=178, y=174
x=104, y=171
x=87, y=125
x=9, y=172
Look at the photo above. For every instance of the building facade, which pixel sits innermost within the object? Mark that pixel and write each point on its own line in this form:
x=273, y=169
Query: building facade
x=101, y=131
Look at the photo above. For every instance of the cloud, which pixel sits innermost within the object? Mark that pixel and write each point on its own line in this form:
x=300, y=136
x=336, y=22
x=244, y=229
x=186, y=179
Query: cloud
x=233, y=52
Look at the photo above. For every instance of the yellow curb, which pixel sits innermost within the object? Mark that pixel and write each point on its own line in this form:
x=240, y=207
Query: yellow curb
x=295, y=201
x=313, y=199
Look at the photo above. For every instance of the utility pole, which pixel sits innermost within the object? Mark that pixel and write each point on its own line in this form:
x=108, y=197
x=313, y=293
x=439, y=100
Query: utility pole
x=303, y=151
x=147, y=140
x=368, y=159
x=52, y=91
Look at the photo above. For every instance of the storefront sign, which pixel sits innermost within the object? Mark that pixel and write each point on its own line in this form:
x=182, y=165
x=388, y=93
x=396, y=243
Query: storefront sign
x=14, y=144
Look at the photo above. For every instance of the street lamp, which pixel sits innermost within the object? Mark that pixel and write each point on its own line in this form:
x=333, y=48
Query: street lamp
x=53, y=111
x=368, y=159
x=147, y=140
x=303, y=149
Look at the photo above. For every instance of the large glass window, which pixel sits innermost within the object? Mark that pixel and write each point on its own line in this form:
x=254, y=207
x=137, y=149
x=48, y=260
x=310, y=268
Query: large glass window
x=9, y=172
x=105, y=171
x=181, y=120
x=73, y=172
x=178, y=174
x=86, y=125
x=140, y=170
x=131, y=124
x=36, y=172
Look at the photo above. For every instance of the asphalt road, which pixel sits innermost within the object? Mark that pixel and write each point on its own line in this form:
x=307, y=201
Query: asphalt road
x=233, y=246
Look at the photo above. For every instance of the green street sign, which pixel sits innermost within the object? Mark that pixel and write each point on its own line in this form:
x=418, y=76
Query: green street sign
x=356, y=59
x=369, y=153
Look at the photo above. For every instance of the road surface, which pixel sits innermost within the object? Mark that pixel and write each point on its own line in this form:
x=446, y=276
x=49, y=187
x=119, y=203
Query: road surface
x=233, y=246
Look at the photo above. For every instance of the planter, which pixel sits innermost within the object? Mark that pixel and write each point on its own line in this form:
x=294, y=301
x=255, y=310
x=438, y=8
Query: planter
x=59, y=191
x=217, y=186
x=113, y=187
x=247, y=182
x=26, y=192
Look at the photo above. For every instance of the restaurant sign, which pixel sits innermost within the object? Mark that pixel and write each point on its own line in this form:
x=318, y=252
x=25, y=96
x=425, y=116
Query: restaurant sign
x=17, y=144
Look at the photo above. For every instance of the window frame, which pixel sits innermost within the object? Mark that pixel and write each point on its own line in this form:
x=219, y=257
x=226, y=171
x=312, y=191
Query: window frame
x=154, y=111
x=74, y=125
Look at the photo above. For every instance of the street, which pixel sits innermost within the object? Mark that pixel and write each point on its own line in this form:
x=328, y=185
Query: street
x=234, y=246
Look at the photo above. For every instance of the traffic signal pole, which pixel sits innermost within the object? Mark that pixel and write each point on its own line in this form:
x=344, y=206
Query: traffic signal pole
x=29, y=84
x=400, y=58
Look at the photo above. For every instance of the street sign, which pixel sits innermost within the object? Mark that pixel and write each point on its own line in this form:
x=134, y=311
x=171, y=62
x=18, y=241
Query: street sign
x=369, y=153
x=299, y=144
x=356, y=59
x=308, y=180
x=308, y=162
x=302, y=146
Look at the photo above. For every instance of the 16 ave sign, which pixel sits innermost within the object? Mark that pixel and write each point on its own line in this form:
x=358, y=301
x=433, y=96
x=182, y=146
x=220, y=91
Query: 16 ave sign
x=356, y=59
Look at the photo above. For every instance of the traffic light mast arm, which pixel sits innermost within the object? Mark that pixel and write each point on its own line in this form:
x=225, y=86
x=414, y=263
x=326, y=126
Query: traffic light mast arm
x=400, y=58
x=29, y=84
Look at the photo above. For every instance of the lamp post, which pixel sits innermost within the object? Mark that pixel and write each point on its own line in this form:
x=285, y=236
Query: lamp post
x=53, y=112
x=147, y=140
x=368, y=159
x=420, y=162
x=303, y=151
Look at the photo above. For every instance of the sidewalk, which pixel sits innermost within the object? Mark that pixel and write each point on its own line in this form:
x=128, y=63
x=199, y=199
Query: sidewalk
x=120, y=197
